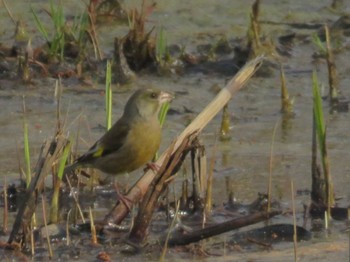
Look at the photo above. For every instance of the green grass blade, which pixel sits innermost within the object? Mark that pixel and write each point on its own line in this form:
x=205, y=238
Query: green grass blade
x=318, y=112
x=318, y=43
x=39, y=25
x=161, y=46
x=54, y=208
x=163, y=113
x=80, y=27
x=27, y=153
x=58, y=17
x=162, y=116
x=321, y=134
x=63, y=161
x=108, y=95
x=61, y=45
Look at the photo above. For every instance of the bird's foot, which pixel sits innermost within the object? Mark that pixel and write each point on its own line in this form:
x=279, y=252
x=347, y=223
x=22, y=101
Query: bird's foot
x=153, y=166
x=124, y=199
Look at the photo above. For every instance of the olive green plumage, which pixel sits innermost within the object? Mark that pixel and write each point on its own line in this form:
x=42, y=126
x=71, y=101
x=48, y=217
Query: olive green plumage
x=133, y=140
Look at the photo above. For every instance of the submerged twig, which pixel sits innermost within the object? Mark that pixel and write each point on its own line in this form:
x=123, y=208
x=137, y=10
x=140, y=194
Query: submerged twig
x=183, y=237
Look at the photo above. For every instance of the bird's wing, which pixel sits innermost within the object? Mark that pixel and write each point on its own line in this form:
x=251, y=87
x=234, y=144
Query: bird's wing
x=110, y=142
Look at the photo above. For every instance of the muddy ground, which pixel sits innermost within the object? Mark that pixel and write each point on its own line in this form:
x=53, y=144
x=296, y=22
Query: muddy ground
x=254, y=112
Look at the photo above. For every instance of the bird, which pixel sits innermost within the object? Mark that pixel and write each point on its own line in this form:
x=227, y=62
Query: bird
x=132, y=141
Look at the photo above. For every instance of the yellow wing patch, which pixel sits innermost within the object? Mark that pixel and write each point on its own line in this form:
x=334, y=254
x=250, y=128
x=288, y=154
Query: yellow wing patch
x=99, y=152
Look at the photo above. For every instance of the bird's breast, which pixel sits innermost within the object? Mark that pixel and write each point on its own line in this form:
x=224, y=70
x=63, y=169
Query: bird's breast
x=145, y=138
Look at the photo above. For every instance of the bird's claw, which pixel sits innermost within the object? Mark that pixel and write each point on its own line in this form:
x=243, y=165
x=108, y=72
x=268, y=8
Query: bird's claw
x=153, y=166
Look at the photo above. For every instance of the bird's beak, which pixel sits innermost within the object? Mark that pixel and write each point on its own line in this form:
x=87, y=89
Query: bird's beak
x=165, y=97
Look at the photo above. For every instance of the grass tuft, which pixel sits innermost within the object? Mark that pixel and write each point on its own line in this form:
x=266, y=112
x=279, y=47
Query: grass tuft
x=161, y=47
x=321, y=135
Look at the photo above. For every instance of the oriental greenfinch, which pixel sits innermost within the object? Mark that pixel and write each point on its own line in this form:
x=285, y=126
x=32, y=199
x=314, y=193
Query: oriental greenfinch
x=133, y=140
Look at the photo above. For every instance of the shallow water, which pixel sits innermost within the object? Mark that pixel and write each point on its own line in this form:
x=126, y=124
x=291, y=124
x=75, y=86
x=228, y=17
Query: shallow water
x=255, y=110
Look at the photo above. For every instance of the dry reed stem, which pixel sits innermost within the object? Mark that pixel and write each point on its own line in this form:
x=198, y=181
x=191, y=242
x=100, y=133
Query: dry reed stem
x=332, y=71
x=43, y=202
x=269, y=187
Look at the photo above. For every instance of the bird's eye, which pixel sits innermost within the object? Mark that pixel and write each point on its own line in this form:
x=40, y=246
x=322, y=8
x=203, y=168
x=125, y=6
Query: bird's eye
x=154, y=95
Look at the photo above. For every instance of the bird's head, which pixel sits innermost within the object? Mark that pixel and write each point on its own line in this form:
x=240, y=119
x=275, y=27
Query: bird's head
x=146, y=103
